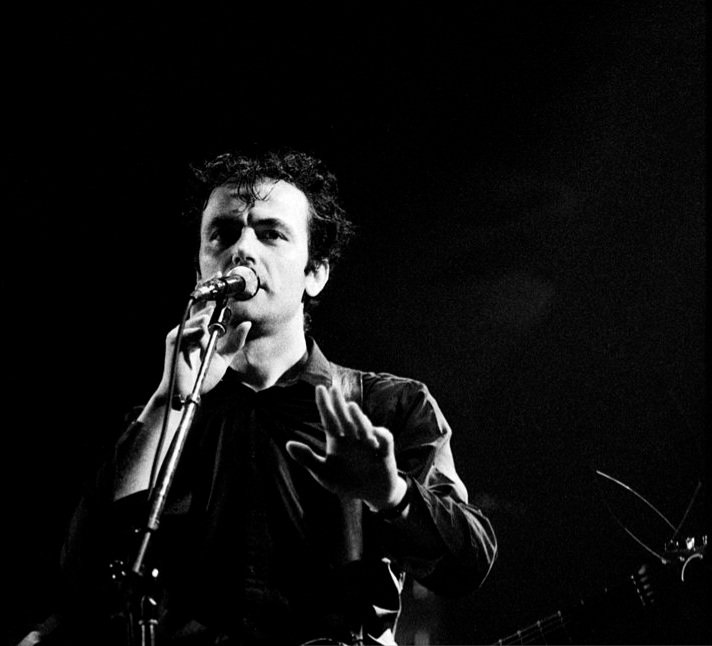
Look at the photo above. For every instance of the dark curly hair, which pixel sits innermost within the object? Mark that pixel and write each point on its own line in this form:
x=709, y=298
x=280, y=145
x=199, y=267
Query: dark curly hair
x=329, y=228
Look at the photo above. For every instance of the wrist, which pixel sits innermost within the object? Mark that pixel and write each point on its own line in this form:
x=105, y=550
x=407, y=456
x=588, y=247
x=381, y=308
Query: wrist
x=158, y=399
x=154, y=407
x=396, y=503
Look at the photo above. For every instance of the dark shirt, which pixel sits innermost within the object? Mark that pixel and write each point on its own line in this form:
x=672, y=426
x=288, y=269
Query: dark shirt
x=251, y=548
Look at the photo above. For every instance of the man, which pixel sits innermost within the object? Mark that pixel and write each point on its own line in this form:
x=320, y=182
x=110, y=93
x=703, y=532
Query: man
x=305, y=491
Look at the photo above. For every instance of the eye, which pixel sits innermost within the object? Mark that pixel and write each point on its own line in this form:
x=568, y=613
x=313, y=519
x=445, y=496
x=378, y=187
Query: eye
x=271, y=234
x=216, y=238
x=223, y=235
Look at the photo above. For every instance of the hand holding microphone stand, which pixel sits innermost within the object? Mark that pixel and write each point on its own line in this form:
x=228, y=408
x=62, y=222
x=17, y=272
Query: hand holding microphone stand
x=240, y=283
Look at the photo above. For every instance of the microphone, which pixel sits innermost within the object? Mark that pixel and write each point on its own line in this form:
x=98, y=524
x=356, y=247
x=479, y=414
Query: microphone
x=240, y=283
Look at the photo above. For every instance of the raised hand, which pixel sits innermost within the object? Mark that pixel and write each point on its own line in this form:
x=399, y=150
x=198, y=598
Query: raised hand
x=193, y=344
x=359, y=460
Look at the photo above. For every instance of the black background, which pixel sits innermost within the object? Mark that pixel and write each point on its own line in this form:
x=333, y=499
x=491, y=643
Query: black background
x=527, y=178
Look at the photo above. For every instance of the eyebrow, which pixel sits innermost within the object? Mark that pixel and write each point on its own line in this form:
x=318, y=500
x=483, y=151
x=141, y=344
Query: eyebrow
x=225, y=218
x=271, y=222
x=220, y=219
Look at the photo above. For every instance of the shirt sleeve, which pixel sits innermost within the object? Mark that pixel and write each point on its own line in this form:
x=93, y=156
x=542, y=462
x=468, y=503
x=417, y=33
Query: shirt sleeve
x=99, y=538
x=446, y=543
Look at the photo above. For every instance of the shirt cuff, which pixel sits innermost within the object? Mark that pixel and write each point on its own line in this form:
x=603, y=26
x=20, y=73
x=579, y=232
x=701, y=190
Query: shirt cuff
x=396, y=512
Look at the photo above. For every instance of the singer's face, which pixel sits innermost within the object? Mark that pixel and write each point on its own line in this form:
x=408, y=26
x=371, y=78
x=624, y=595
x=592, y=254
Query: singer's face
x=270, y=235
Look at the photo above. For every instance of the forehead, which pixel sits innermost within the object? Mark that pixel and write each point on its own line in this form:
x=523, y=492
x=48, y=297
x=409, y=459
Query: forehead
x=275, y=199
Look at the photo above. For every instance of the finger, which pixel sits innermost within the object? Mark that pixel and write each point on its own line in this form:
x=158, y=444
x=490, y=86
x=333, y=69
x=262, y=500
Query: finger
x=190, y=334
x=200, y=318
x=200, y=307
x=329, y=419
x=195, y=325
x=305, y=456
x=235, y=338
x=342, y=413
x=187, y=353
x=364, y=426
x=384, y=438
x=193, y=338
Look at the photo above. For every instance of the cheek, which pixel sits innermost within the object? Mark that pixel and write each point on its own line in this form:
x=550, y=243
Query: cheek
x=207, y=264
x=297, y=270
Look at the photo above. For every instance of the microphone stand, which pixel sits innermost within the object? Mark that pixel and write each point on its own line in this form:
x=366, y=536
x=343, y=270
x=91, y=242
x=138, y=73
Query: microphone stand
x=146, y=604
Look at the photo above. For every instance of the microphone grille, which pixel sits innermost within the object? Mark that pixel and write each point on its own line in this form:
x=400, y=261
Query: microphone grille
x=248, y=275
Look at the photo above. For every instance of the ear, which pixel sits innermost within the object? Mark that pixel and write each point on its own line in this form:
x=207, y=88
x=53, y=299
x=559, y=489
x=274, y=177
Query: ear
x=316, y=279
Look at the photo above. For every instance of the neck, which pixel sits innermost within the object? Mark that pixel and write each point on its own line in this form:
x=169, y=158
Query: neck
x=267, y=355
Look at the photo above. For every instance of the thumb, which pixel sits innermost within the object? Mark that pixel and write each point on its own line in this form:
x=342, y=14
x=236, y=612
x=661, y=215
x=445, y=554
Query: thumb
x=235, y=339
x=305, y=456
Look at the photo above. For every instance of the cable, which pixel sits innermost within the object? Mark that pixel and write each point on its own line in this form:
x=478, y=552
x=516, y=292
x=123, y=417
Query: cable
x=169, y=403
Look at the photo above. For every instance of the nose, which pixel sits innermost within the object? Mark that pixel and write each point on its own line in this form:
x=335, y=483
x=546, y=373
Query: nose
x=243, y=250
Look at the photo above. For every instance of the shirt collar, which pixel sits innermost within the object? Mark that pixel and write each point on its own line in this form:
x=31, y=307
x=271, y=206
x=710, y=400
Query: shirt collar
x=314, y=368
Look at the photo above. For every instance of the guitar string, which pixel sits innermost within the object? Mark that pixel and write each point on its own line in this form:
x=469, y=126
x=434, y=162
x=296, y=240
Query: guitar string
x=564, y=618
x=687, y=511
x=558, y=619
x=635, y=493
x=660, y=557
x=555, y=623
x=547, y=624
